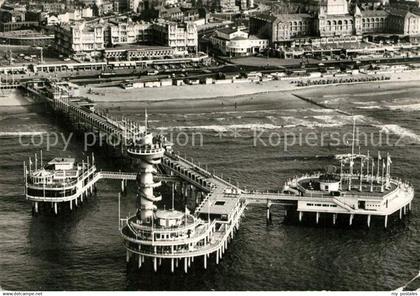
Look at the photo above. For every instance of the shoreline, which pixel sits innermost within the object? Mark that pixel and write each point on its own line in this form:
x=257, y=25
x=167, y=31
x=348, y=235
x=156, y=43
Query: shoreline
x=231, y=90
x=116, y=95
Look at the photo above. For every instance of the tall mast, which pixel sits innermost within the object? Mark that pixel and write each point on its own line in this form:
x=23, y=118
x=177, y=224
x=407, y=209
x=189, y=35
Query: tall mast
x=173, y=197
x=352, y=153
x=145, y=120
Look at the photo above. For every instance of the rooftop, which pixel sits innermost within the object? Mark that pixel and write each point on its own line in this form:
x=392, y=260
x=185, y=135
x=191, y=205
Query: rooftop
x=169, y=215
x=375, y=13
x=135, y=47
x=59, y=160
x=220, y=205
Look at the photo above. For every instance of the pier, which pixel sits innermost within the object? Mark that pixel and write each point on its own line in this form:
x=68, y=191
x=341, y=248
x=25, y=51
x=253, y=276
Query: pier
x=181, y=237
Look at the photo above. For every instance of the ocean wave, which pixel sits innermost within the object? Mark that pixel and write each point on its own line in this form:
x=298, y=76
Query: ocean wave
x=380, y=93
x=282, y=122
x=365, y=103
x=371, y=108
x=20, y=134
x=407, y=107
x=333, y=100
x=403, y=132
x=223, y=128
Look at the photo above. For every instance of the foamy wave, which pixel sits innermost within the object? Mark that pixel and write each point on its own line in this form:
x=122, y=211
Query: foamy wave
x=408, y=107
x=371, y=108
x=366, y=103
x=334, y=100
x=310, y=122
x=322, y=121
x=405, y=133
x=223, y=128
x=20, y=134
x=320, y=110
x=380, y=93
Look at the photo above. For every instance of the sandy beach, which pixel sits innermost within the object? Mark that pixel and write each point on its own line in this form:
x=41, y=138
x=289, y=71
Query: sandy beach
x=108, y=94
x=117, y=94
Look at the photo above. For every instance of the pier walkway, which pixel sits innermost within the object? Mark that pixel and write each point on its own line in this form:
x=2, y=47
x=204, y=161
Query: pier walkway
x=221, y=203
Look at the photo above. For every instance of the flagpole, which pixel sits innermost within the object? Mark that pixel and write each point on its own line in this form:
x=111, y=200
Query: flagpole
x=153, y=235
x=361, y=173
x=24, y=175
x=388, y=170
x=367, y=165
x=208, y=210
x=145, y=120
x=341, y=173
x=36, y=162
x=371, y=179
x=379, y=166
x=352, y=154
x=41, y=159
x=173, y=197
x=382, y=177
x=119, y=210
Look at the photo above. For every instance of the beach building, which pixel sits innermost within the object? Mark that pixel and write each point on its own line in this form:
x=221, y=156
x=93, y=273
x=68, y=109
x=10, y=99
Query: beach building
x=92, y=38
x=235, y=42
x=334, y=21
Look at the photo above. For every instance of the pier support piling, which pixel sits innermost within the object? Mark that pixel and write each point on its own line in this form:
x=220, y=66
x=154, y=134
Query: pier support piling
x=269, y=213
x=334, y=219
x=140, y=261
x=317, y=217
x=217, y=257
x=55, y=208
x=300, y=216
x=351, y=219
x=127, y=256
x=185, y=265
x=155, y=264
x=400, y=213
x=122, y=187
x=368, y=221
x=71, y=205
x=205, y=261
x=386, y=221
x=36, y=207
x=172, y=265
